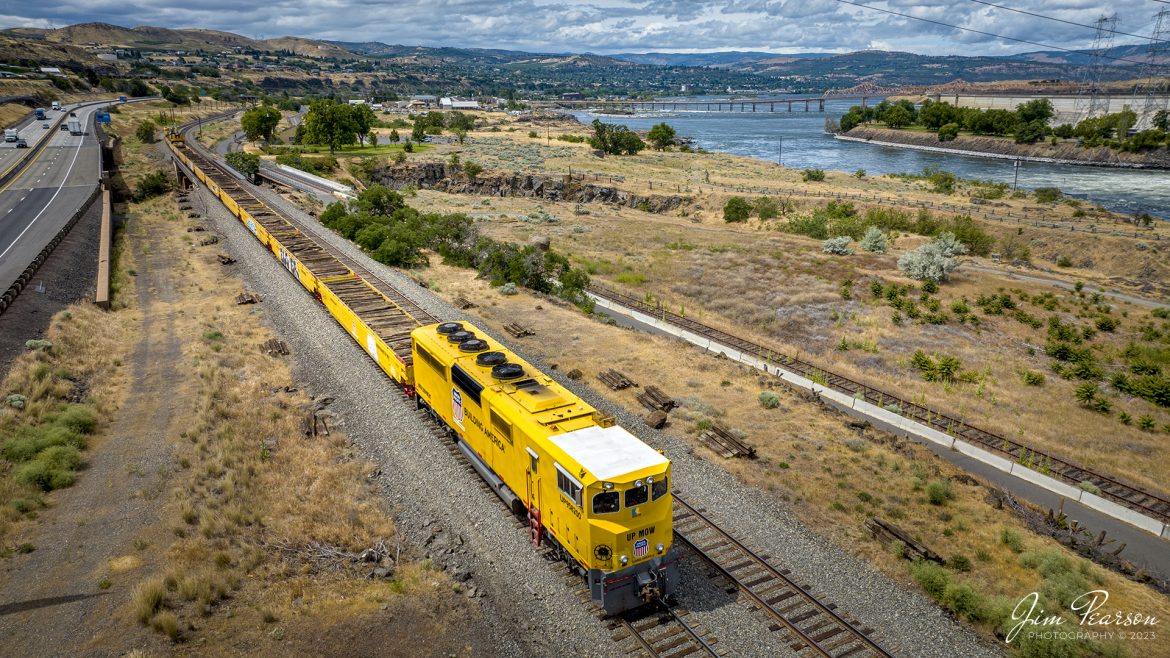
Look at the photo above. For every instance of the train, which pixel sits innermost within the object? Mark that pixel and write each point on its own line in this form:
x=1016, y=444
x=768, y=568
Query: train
x=591, y=491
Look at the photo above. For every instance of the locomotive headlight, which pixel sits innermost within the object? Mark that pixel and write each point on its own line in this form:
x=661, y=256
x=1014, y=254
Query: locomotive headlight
x=650, y=480
x=637, y=483
x=623, y=559
x=607, y=485
x=660, y=548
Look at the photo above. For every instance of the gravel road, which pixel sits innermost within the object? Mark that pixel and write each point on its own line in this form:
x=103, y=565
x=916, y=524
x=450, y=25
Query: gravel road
x=426, y=484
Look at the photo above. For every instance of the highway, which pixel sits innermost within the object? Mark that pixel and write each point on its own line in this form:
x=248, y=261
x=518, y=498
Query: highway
x=36, y=205
x=30, y=131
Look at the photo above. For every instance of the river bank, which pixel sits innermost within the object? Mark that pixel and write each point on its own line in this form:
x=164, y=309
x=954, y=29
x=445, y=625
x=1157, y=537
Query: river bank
x=1065, y=152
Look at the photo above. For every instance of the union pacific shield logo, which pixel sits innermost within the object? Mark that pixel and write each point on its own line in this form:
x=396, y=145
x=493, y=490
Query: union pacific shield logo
x=457, y=407
x=641, y=548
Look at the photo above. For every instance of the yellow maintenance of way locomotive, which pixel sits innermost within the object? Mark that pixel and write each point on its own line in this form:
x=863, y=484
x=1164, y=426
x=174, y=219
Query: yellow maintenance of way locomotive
x=593, y=491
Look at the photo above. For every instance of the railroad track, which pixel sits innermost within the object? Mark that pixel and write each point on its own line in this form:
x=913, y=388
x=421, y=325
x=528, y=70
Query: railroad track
x=1153, y=504
x=260, y=209
x=661, y=631
x=809, y=622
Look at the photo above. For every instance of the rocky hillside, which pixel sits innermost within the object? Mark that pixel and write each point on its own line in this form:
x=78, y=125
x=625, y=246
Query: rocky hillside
x=1065, y=150
x=438, y=176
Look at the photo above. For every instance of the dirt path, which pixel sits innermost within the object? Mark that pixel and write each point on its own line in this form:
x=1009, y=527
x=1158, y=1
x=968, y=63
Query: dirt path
x=104, y=528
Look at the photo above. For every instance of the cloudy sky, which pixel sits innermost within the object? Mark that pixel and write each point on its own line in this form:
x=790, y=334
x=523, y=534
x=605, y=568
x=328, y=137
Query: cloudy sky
x=612, y=26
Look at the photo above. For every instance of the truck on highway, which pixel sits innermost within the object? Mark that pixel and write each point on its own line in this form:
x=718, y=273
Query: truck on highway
x=11, y=134
x=56, y=105
x=40, y=112
x=121, y=99
x=74, y=126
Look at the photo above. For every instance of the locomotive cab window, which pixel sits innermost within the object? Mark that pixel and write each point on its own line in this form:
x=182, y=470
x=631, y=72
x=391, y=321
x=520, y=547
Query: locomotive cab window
x=636, y=496
x=569, y=486
x=606, y=502
x=659, y=489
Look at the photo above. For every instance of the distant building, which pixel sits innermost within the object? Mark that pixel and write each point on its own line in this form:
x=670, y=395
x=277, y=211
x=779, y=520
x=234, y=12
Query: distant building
x=53, y=70
x=424, y=100
x=107, y=57
x=571, y=96
x=448, y=103
x=357, y=101
x=684, y=88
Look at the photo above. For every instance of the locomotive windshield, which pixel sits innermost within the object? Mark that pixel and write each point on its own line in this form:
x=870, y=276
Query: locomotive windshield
x=636, y=496
x=660, y=488
x=606, y=502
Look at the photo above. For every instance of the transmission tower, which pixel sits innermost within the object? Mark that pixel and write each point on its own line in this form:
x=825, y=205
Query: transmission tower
x=1090, y=99
x=1154, y=72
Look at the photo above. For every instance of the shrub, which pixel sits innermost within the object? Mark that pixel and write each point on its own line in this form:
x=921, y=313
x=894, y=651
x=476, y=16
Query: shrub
x=960, y=563
x=508, y=289
x=737, y=209
x=939, y=492
x=814, y=226
x=765, y=207
x=838, y=245
x=148, y=598
x=931, y=577
x=152, y=185
x=1047, y=194
x=874, y=241
x=948, y=132
x=1011, y=539
x=1033, y=378
x=167, y=624
x=768, y=400
x=933, y=261
x=38, y=345
x=812, y=175
x=145, y=132
x=962, y=600
x=15, y=400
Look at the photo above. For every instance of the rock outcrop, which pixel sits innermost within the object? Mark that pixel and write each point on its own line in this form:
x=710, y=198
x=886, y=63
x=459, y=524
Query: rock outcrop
x=438, y=176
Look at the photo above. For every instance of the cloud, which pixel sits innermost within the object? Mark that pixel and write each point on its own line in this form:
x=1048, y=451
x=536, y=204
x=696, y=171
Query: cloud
x=610, y=26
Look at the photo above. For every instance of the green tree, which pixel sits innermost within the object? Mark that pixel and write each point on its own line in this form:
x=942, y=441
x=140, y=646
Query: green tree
x=737, y=209
x=419, y=131
x=259, y=123
x=394, y=136
x=1161, y=120
x=1030, y=133
x=615, y=139
x=897, y=117
x=948, y=132
x=247, y=164
x=329, y=123
x=661, y=135
x=1036, y=110
x=145, y=132
x=363, y=120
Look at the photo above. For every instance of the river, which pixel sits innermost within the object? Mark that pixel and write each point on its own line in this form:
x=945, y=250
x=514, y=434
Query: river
x=797, y=140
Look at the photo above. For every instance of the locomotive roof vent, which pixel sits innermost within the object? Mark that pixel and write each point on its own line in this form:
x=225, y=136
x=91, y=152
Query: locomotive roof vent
x=507, y=371
x=491, y=359
x=473, y=345
x=449, y=328
x=459, y=336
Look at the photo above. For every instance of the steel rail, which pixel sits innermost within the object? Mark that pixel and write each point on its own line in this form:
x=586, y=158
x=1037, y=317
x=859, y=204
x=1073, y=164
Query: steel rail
x=814, y=642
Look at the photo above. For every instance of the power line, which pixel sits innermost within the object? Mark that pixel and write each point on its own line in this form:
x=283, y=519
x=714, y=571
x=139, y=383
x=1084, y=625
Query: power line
x=1058, y=20
x=988, y=34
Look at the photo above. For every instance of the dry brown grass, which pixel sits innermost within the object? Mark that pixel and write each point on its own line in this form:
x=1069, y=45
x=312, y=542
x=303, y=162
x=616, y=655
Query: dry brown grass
x=809, y=458
x=780, y=290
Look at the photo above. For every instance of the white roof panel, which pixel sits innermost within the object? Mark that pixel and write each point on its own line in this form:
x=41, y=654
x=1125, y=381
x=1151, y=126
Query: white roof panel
x=608, y=452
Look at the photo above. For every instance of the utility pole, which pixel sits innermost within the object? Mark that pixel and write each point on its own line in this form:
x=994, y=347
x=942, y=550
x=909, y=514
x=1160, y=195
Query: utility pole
x=1016, y=181
x=780, y=155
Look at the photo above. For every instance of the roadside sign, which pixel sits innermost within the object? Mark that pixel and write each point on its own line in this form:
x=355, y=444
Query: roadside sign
x=102, y=117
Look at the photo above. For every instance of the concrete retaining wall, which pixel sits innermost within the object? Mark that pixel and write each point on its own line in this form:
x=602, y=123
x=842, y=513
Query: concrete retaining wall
x=906, y=426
